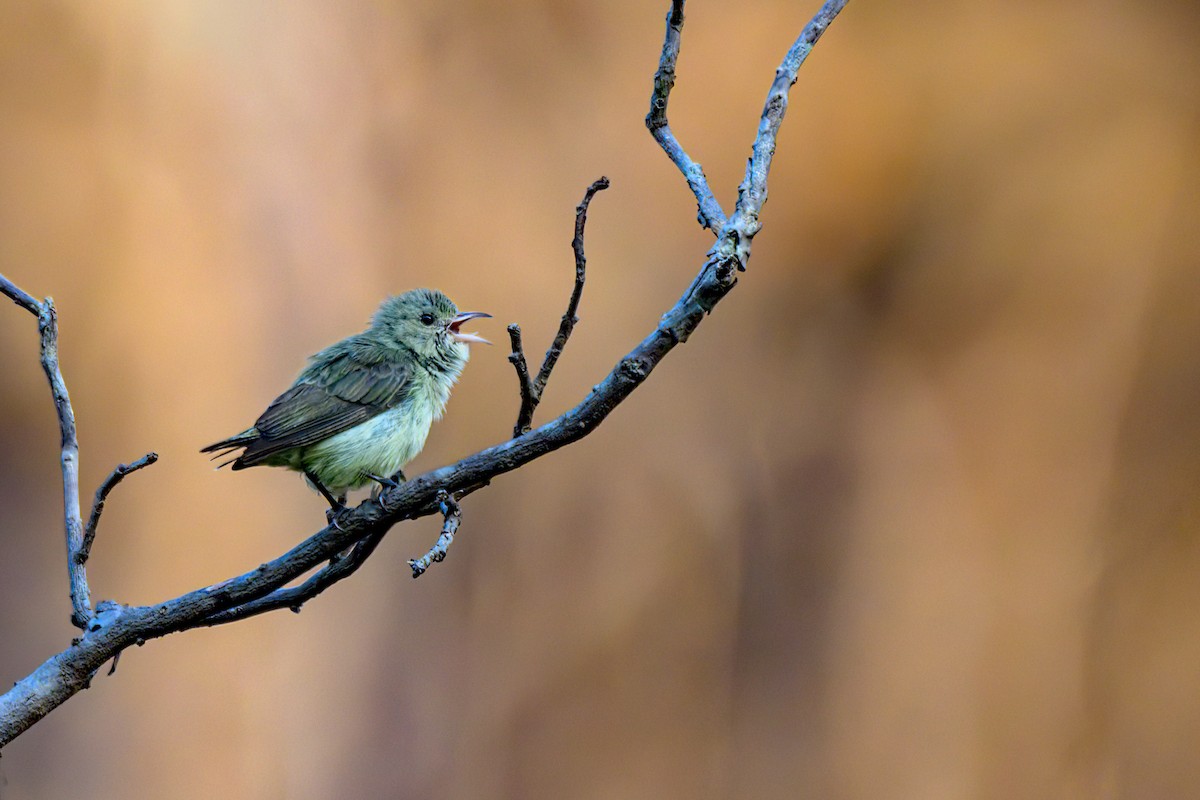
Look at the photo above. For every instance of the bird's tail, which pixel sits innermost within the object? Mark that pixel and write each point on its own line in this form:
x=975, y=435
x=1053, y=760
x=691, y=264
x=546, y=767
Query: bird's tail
x=227, y=446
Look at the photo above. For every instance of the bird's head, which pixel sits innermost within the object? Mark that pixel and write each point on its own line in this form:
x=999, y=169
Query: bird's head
x=426, y=322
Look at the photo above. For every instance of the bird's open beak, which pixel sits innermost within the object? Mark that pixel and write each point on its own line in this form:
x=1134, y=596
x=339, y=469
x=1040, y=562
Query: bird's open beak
x=467, y=337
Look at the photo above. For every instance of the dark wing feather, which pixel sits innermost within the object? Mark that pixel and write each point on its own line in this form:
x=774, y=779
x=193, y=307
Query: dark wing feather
x=321, y=406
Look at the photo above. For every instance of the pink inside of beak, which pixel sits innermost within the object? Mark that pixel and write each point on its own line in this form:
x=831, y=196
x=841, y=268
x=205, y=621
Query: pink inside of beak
x=467, y=337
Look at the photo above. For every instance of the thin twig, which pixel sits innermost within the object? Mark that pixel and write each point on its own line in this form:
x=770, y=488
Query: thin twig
x=20, y=296
x=569, y=319
x=531, y=390
x=529, y=395
x=81, y=603
x=451, y=517
x=114, y=477
x=752, y=192
x=708, y=210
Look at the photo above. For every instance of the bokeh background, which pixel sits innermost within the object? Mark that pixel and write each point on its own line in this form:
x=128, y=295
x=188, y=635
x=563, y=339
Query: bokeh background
x=913, y=515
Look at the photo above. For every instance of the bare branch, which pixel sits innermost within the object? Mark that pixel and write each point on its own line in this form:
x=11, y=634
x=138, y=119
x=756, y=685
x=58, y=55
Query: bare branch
x=114, y=627
x=452, y=516
x=529, y=395
x=114, y=477
x=567, y=326
x=81, y=602
x=708, y=211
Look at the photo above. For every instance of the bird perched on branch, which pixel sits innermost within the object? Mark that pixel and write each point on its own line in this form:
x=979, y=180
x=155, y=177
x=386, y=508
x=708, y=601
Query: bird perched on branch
x=362, y=408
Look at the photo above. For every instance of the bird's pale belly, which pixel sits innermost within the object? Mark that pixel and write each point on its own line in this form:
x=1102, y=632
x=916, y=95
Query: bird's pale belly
x=380, y=446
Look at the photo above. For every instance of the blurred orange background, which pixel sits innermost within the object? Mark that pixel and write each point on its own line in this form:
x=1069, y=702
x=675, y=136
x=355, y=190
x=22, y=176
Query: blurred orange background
x=913, y=515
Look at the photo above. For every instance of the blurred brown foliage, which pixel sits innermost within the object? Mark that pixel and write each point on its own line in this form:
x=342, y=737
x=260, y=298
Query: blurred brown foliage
x=914, y=515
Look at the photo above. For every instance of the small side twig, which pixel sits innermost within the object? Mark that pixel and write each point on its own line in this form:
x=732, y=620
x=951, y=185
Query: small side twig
x=529, y=395
x=708, y=210
x=567, y=326
x=532, y=389
x=452, y=516
x=114, y=477
x=20, y=296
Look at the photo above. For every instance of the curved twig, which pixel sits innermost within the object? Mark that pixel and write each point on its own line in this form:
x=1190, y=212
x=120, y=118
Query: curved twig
x=116, y=476
x=451, y=519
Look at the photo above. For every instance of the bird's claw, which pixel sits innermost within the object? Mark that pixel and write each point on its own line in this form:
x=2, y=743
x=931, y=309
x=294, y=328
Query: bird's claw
x=331, y=517
x=388, y=483
x=385, y=483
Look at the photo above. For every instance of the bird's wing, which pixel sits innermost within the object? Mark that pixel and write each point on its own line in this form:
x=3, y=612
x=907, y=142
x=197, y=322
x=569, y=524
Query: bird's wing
x=320, y=406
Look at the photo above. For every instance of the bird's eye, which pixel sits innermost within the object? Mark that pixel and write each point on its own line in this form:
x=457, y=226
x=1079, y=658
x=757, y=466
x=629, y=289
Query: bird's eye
x=427, y=318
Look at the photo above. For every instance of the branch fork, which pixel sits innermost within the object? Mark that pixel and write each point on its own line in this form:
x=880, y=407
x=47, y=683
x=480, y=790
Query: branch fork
x=532, y=388
x=78, y=537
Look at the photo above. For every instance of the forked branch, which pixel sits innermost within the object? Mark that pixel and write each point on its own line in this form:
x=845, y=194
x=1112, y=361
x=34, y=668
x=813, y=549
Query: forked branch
x=79, y=541
x=337, y=550
x=532, y=388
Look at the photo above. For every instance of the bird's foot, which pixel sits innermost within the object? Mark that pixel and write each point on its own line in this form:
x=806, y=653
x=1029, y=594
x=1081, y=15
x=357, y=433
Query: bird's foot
x=385, y=483
x=337, y=505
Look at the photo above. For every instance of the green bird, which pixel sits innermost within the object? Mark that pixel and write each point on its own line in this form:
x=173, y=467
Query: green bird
x=362, y=408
